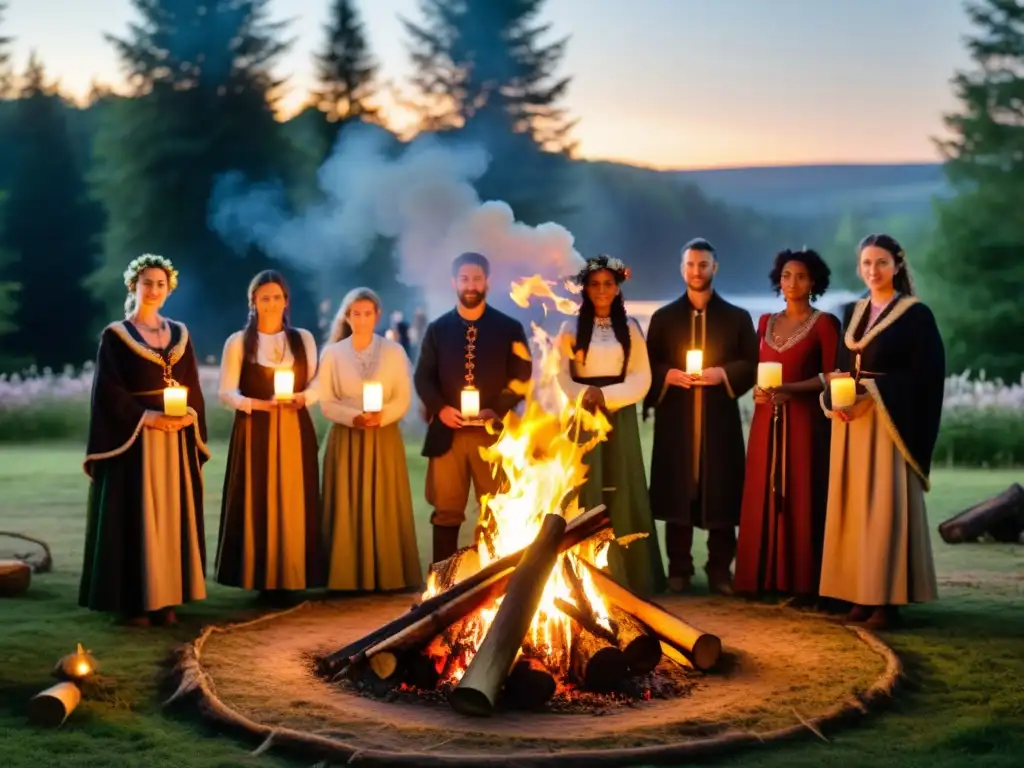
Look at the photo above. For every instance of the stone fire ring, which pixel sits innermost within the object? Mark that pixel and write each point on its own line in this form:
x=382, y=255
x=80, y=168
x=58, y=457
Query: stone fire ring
x=786, y=674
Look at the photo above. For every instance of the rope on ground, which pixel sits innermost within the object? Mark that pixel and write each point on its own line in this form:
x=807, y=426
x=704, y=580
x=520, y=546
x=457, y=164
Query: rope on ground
x=327, y=748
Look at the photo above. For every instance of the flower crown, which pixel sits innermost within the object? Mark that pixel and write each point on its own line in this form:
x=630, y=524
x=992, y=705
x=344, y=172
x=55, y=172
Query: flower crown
x=148, y=261
x=596, y=264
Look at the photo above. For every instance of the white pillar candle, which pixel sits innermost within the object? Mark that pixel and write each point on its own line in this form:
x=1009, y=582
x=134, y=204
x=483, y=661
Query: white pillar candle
x=769, y=375
x=284, y=384
x=694, y=361
x=844, y=392
x=373, y=397
x=175, y=401
x=470, y=403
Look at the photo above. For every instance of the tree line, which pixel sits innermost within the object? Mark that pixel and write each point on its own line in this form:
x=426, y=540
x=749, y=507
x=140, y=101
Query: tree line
x=86, y=188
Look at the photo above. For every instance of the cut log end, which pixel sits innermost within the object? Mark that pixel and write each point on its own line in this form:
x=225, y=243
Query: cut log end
x=706, y=651
x=51, y=707
x=384, y=664
x=640, y=645
x=15, y=578
x=530, y=684
x=596, y=664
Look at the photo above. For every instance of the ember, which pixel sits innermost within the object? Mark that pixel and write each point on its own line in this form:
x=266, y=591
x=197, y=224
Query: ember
x=528, y=615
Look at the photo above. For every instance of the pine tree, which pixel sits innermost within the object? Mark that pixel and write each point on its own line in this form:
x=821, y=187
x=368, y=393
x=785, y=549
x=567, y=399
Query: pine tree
x=975, y=275
x=346, y=72
x=47, y=230
x=5, y=58
x=203, y=107
x=483, y=69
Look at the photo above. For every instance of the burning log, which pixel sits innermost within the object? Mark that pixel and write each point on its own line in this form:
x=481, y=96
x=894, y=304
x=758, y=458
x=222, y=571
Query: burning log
x=477, y=692
x=421, y=672
x=383, y=656
x=674, y=654
x=1001, y=516
x=641, y=647
x=596, y=663
x=582, y=527
x=530, y=684
x=702, y=647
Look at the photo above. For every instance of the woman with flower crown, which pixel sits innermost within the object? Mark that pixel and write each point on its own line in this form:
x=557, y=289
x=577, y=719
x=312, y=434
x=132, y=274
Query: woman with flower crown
x=605, y=366
x=145, y=550
x=270, y=511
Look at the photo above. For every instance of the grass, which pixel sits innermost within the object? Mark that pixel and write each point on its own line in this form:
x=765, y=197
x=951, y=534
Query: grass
x=963, y=703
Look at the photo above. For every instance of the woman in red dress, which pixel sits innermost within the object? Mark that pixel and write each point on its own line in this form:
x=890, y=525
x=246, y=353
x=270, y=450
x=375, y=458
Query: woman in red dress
x=785, y=489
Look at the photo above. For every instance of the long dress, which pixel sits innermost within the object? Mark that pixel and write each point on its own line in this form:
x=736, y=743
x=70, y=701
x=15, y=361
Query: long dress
x=783, y=515
x=145, y=546
x=269, y=525
x=877, y=549
x=615, y=467
x=368, y=527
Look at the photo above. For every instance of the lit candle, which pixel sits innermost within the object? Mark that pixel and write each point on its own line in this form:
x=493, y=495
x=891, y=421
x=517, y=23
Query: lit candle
x=694, y=361
x=284, y=384
x=769, y=375
x=373, y=397
x=77, y=665
x=175, y=401
x=844, y=392
x=470, y=403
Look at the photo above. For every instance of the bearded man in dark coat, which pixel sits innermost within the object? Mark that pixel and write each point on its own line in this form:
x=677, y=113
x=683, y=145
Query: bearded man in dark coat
x=698, y=458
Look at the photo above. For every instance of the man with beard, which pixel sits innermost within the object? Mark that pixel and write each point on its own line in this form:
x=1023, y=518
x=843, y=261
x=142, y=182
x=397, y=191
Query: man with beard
x=697, y=462
x=473, y=345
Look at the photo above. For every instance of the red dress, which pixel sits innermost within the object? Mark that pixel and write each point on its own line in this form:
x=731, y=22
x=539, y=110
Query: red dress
x=781, y=532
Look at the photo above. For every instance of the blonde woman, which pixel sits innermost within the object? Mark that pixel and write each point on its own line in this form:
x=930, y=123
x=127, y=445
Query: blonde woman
x=370, y=537
x=145, y=550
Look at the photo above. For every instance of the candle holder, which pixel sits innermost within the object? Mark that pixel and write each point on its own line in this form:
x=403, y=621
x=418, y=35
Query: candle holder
x=470, y=406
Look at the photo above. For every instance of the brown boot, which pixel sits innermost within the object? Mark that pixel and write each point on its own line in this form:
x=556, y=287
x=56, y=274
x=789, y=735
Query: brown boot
x=720, y=582
x=446, y=542
x=883, y=617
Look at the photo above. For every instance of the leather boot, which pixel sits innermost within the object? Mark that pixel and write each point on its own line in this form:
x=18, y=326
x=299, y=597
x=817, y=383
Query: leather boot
x=446, y=542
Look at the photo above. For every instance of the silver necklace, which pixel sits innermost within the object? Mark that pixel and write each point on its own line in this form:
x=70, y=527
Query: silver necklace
x=366, y=358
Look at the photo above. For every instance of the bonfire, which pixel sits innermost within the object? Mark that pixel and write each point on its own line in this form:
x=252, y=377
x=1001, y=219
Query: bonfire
x=529, y=609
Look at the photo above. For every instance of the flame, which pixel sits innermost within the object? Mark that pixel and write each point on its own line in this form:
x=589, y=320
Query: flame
x=540, y=455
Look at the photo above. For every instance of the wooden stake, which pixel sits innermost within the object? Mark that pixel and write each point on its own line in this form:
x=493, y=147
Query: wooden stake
x=477, y=692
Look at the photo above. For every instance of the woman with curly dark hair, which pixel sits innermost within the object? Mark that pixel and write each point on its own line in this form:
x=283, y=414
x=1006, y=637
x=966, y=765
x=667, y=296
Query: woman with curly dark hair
x=605, y=366
x=785, y=490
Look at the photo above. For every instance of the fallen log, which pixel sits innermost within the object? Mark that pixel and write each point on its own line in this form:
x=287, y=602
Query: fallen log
x=675, y=655
x=702, y=647
x=641, y=646
x=530, y=684
x=450, y=571
x=1001, y=516
x=477, y=691
x=581, y=527
x=595, y=663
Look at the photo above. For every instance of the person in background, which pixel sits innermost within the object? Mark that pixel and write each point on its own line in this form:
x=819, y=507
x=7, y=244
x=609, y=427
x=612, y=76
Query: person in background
x=877, y=553
x=471, y=345
x=145, y=540
x=604, y=364
x=369, y=531
x=269, y=537
x=784, y=491
x=697, y=462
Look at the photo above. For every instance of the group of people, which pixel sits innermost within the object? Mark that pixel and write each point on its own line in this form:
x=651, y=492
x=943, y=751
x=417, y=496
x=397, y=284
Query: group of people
x=827, y=498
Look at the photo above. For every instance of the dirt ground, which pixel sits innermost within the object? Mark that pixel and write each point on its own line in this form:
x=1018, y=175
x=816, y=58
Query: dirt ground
x=780, y=668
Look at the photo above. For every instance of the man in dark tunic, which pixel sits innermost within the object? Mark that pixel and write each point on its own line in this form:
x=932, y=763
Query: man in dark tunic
x=697, y=462
x=471, y=345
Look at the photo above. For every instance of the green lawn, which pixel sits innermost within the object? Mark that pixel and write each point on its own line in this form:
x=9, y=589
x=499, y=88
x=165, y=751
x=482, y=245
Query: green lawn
x=963, y=703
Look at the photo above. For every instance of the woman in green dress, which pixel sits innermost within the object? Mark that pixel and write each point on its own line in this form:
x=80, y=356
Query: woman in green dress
x=145, y=549
x=370, y=536
x=608, y=369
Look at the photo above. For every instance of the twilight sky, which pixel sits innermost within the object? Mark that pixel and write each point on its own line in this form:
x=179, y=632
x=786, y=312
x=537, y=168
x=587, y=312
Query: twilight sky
x=665, y=83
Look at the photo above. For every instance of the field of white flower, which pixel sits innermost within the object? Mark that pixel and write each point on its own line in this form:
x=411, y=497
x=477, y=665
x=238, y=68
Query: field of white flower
x=983, y=421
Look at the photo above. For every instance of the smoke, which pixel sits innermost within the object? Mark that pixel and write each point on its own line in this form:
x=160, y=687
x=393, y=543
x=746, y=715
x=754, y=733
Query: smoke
x=424, y=199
